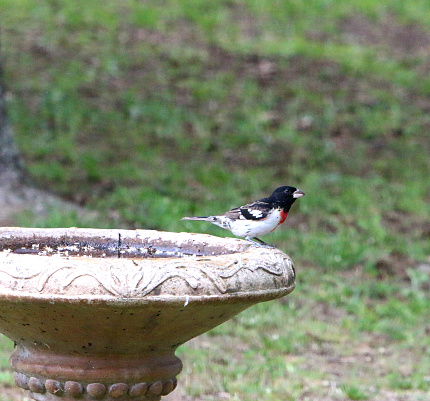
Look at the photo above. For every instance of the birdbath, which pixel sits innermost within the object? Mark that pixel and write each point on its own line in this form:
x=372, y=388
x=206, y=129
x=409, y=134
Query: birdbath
x=98, y=314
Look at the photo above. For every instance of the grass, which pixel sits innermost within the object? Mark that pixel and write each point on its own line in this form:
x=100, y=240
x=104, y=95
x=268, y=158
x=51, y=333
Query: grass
x=146, y=112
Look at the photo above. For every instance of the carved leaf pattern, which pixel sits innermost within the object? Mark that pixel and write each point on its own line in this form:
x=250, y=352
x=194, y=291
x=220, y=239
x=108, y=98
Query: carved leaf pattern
x=123, y=283
x=120, y=281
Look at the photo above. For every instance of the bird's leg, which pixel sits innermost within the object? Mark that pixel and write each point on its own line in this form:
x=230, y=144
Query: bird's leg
x=258, y=242
x=262, y=243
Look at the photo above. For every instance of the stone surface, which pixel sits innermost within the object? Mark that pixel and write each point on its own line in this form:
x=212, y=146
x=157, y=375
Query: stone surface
x=98, y=314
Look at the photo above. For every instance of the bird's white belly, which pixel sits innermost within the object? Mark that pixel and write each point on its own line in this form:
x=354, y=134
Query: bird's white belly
x=255, y=228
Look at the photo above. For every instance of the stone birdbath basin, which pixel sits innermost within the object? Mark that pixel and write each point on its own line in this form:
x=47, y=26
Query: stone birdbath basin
x=98, y=314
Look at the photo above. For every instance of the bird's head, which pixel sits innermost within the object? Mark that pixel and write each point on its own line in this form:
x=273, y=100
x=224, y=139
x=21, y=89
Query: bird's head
x=286, y=196
x=287, y=192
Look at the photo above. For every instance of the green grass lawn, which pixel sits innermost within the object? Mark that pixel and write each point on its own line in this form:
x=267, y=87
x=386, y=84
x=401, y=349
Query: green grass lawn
x=150, y=111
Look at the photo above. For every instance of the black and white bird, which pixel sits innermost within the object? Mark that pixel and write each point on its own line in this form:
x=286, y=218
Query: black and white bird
x=257, y=218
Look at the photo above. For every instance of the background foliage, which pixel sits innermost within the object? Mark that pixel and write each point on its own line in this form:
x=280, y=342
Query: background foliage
x=149, y=111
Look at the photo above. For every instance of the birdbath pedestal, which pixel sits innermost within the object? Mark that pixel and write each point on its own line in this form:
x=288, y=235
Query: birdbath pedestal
x=98, y=314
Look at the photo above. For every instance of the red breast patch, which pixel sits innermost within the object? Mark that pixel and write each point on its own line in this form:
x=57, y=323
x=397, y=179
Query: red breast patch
x=283, y=216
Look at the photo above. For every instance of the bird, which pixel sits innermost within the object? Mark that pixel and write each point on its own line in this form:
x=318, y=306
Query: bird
x=256, y=218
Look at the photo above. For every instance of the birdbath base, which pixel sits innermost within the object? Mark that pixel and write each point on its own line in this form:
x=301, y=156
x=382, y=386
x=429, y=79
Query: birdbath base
x=98, y=314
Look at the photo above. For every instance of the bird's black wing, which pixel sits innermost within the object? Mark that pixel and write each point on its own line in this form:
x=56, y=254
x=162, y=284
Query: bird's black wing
x=257, y=210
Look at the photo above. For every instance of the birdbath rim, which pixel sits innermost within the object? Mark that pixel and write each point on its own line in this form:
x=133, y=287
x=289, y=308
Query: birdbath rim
x=110, y=265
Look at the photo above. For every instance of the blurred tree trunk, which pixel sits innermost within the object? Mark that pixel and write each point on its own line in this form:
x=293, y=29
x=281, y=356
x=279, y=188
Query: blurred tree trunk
x=18, y=193
x=11, y=166
x=14, y=196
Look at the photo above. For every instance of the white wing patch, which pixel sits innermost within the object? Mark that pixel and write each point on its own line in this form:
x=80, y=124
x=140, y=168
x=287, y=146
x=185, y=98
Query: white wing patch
x=258, y=214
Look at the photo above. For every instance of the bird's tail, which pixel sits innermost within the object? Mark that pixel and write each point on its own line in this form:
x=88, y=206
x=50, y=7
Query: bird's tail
x=202, y=218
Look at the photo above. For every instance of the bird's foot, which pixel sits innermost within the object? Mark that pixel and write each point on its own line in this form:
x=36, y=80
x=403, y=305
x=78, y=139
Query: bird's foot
x=258, y=242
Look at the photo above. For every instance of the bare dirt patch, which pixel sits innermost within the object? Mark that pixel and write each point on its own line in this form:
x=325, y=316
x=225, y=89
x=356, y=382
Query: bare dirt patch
x=400, y=40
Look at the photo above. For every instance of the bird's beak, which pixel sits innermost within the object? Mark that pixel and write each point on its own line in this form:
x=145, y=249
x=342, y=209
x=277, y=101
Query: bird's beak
x=298, y=193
